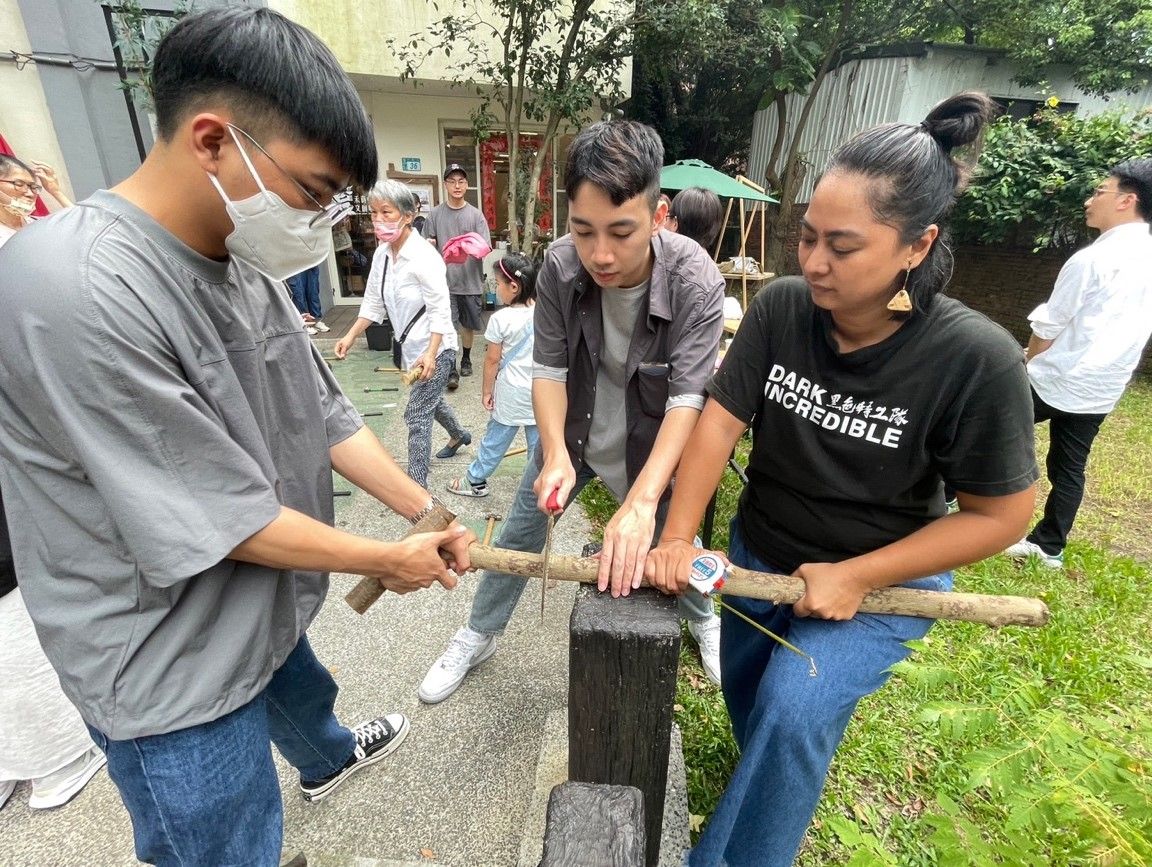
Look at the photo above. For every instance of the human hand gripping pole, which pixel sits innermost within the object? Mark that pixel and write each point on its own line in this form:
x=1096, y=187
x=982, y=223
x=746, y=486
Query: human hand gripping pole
x=368, y=590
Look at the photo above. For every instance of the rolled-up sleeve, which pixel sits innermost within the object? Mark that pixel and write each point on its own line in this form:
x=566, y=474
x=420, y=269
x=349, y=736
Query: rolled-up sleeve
x=372, y=306
x=693, y=358
x=550, y=349
x=1053, y=316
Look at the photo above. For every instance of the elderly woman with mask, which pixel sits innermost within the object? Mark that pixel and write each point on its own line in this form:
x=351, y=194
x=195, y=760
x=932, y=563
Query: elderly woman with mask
x=408, y=282
x=19, y=186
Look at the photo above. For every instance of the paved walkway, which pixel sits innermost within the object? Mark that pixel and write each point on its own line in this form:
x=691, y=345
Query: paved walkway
x=458, y=791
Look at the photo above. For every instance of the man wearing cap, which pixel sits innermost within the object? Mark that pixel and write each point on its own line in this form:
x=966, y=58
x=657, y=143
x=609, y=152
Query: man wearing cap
x=455, y=217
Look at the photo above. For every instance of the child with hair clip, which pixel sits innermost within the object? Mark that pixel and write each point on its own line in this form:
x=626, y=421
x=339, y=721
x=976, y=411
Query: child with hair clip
x=507, y=374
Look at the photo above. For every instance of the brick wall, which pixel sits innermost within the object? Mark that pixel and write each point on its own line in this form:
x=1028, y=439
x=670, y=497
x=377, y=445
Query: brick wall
x=1003, y=283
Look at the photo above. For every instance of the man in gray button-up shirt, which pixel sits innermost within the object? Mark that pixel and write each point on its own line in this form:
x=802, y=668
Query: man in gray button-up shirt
x=628, y=323
x=169, y=436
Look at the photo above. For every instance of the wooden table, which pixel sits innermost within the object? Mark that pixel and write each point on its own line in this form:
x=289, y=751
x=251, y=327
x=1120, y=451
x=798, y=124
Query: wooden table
x=755, y=281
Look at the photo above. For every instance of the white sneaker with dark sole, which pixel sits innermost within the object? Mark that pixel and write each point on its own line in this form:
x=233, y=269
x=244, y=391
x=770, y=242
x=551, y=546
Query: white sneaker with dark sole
x=375, y=740
x=1024, y=550
x=466, y=650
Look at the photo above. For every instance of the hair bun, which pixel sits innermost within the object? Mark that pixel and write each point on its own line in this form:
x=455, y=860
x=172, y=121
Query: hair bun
x=960, y=119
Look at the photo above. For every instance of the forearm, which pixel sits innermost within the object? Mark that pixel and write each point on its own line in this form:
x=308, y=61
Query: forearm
x=358, y=327
x=705, y=457
x=666, y=453
x=60, y=198
x=984, y=526
x=363, y=461
x=434, y=339
x=550, y=405
x=1036, y=345
x=295, y=541
x=491, y=366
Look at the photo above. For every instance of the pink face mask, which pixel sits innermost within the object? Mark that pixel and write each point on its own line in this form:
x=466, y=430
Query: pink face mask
x=387, y=232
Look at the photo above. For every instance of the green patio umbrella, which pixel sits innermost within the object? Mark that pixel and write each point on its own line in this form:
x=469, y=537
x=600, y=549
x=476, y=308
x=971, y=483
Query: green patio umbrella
x=697, y=173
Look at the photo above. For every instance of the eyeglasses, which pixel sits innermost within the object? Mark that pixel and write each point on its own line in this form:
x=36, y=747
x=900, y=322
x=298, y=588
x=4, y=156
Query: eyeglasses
x=1100, y=191
x=340, y=206
x=23, y=186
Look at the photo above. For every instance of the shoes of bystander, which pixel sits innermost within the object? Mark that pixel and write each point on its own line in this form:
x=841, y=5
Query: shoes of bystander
x=1024, y=549
x=707, y=635
x=60, y=787
x=466, y=650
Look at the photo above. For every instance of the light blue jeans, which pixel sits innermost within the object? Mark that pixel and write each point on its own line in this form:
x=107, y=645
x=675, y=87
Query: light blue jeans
x=497, y=438
x=525, y=529
x=209, y=794
x=787, y=723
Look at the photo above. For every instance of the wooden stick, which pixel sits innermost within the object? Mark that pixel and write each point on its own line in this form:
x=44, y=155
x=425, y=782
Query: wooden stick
x=723, y=226
x=514, y=452
x=785, y=589
x=412, y=375
x=363, y=595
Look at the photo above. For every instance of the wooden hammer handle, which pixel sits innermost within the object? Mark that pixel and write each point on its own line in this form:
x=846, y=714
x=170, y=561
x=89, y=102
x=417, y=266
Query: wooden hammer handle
x=785, y=589
x=363, y=595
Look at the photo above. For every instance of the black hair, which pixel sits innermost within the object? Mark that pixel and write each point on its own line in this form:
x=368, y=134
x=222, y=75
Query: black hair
x=699, y=215
x=276, y=76
x=519, y=269
x=915, y=179
x=8, y=163
x=622, y=157
x=1135, y=176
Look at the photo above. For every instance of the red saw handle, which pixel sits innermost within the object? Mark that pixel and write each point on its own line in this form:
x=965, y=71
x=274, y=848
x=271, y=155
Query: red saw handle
x=553, y=504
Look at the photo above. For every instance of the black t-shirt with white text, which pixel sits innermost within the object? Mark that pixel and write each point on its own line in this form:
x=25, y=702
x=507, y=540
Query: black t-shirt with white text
x=850, y=449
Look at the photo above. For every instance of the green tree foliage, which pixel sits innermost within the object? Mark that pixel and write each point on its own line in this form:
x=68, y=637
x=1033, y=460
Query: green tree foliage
x=542, y=66
x=138, y=31
x=1034, y=175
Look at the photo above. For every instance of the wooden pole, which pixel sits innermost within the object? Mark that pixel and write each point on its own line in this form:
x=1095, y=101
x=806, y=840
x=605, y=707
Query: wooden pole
x=763, y=224
x=785, y=589
x=723, y=226
x=590, y=823
x=743, y=267
x=363, y=595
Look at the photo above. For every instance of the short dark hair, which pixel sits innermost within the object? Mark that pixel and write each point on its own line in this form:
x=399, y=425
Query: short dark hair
x=915, y=180
x=1135, y=176
x=523, y=271
x=277, y=76
x=699, y=215
x=621, y=157
x=8, y=163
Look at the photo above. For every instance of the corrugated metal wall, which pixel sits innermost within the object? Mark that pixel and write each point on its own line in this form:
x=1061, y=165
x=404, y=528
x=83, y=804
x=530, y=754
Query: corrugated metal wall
x=863, y=93
x=855, y=96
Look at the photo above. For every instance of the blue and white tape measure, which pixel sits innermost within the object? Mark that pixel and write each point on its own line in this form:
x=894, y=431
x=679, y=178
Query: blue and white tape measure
x=708, y=574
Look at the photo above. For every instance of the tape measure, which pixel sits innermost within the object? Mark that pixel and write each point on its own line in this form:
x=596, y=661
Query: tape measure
x=708, y=574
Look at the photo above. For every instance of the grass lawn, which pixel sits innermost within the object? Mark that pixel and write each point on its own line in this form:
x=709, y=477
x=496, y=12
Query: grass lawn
x=1015, y=746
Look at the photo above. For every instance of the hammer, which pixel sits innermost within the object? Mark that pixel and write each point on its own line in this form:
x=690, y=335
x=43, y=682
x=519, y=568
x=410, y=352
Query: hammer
x=492, y=518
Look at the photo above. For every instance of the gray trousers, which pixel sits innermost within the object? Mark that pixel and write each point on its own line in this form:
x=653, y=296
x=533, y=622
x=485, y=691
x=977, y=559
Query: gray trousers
x=526, y=529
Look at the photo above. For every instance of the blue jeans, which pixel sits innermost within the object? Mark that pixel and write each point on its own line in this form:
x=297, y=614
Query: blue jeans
x=208, y=794
x=525, y=529
x=787, y=723
x=497, y=438
x=305, y=288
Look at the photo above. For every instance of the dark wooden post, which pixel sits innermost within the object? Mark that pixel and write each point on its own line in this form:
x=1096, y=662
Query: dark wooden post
x=594, y=826
x=623, y=655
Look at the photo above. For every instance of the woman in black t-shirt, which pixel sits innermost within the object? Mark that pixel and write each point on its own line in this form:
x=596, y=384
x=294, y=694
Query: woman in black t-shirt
x=865, y=391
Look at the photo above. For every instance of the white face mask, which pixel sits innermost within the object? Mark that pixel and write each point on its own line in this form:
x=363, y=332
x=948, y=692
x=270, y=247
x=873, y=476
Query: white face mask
x=270, y=235
x=20, y=207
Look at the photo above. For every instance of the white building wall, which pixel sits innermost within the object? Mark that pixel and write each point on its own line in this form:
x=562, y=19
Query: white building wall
x=863, y=93
x=25, y=121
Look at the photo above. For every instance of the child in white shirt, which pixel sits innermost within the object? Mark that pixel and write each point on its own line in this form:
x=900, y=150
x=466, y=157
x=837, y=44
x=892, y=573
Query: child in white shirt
x=507, y=374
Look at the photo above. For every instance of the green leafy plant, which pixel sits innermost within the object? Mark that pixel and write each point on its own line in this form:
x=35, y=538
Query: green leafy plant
x=138, y=31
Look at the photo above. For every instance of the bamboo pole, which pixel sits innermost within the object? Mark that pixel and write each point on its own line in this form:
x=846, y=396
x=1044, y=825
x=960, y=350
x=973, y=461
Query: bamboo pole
x=723, y=226
x=763, y=224
x=743, y=267
x=785, y=589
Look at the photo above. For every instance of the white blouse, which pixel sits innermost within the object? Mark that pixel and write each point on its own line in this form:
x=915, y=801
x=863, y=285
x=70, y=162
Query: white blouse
x=398, y=285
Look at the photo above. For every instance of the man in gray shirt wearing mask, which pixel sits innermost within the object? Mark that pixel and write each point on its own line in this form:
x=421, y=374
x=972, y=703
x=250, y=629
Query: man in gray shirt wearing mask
x=169, y=436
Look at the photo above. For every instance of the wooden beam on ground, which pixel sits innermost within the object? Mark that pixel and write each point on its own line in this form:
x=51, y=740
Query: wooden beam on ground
x=591, y=824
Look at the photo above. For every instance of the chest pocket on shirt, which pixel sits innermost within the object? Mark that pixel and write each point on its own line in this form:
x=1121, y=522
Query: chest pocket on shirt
x=652, y=383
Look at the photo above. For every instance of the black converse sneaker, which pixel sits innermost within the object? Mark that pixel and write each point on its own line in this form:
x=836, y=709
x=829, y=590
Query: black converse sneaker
x=375, y=740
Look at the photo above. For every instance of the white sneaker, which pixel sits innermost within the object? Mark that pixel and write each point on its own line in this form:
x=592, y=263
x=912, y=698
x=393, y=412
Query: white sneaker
x=466, y=651
x=60, y=787
x=707, y=635
x=320, y=326
x=310, y=330
x=1024, y=549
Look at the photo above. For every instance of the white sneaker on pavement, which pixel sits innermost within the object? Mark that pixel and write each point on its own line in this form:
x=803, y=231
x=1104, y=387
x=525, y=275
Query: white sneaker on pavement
x=1024, y=549
x=466, y=650
x=60, y=787
x=320, y=326
x=707, y=635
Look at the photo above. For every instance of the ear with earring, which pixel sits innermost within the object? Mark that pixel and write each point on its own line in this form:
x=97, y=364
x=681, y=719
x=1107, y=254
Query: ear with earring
x=901, y=302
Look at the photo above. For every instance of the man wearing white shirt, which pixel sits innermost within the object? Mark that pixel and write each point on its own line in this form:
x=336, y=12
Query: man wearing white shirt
x=1086, y=341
